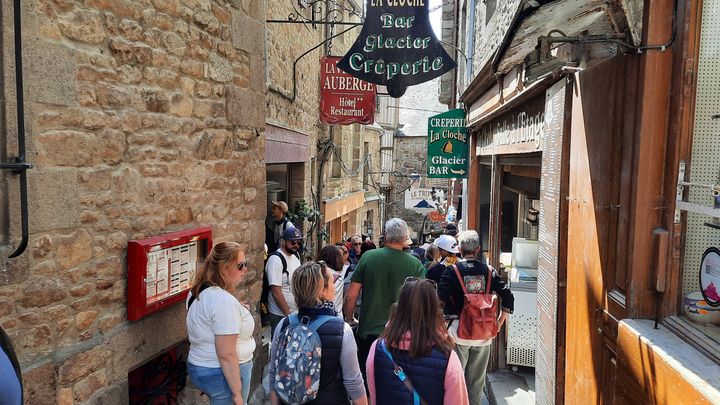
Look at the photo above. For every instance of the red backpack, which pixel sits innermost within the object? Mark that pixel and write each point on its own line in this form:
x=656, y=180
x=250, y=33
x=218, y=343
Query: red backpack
x=478, y=318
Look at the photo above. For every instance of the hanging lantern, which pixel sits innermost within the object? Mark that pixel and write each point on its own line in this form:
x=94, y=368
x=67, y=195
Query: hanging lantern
x=397, y=47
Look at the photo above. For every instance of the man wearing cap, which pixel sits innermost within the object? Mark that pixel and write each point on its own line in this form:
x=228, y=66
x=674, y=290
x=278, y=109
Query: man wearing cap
x=448, y=247
x=277, y=224
x=280, y=268
x=451, y=229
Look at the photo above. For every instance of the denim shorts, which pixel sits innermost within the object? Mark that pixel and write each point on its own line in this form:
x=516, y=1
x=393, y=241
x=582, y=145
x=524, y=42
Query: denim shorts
x=211, y=381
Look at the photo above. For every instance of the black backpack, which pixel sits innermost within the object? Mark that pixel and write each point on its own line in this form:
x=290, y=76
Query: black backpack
x=264, y=307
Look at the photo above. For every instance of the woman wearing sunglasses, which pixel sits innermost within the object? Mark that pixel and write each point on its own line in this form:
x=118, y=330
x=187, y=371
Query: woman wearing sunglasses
x=340, y=377
x=220, y=329
x=413, y=361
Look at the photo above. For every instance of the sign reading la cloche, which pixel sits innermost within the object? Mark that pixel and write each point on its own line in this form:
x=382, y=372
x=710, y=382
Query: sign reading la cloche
x=397, y=47
x=344, y=99
x=448, y=145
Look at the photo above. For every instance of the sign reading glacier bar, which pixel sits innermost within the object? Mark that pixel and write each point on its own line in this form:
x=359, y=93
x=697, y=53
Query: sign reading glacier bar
x=447, y=145
x=344, y=99
x=397, y=47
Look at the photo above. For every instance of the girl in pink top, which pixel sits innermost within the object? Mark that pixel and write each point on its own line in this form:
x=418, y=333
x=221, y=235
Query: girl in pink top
x=416, y=341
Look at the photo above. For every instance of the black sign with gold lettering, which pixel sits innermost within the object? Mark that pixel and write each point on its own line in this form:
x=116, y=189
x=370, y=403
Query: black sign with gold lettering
x=397, y=47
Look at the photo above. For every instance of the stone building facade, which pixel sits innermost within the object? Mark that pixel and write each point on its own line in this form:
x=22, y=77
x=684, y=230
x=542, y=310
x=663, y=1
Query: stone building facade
x=143, y=117
x=410, y=158
x=344, y=194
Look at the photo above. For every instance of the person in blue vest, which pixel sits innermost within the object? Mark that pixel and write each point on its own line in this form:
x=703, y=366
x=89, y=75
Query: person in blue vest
x=313, y=286
x=11, y=390
x=413, y=361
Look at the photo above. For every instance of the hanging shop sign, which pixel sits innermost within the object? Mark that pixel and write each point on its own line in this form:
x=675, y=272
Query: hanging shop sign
x=447, y=145
x=710, y=276
x=344, y=99
x=518, y=131
x=421, y=199
x=397, y=47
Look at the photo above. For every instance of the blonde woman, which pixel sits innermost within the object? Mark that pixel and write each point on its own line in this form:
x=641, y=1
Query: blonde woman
x=314, y=290
x=220, y=329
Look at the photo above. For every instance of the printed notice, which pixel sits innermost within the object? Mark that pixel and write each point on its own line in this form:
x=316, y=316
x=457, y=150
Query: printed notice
x=170, y=271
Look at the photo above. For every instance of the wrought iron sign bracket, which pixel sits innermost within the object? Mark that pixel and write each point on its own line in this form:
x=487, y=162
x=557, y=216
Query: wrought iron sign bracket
x=294, y=73
x=322, y=12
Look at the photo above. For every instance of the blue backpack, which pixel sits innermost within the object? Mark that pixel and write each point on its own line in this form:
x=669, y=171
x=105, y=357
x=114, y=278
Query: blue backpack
x=297, y=360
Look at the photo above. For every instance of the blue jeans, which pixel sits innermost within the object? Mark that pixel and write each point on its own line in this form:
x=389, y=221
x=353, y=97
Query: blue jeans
x=211, y=381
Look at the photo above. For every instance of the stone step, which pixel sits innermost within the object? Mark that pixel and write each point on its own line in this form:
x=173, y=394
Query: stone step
x=507, y=388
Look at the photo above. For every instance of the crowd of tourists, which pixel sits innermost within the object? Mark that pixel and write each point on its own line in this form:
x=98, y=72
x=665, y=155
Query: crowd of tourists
x=357, y=325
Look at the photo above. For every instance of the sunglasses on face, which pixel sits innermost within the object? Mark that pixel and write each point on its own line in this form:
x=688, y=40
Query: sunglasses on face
x=357, y=244
x=242, y=265
x=294, y=242
x=413, y=279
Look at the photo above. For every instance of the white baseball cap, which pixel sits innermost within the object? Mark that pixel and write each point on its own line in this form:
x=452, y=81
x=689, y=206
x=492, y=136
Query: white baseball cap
x=446, y=242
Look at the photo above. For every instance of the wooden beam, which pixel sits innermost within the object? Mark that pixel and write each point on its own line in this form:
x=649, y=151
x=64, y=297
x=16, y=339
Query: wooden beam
x=524, y=171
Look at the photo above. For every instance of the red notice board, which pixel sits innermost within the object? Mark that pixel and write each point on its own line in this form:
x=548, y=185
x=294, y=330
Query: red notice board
x=161, y=269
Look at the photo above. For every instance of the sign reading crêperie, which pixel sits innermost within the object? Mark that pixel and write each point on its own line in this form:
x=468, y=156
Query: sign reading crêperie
x=397, y=47
x=344, y=99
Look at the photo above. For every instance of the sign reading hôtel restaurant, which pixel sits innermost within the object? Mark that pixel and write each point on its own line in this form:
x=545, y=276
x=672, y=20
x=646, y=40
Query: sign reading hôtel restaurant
x=397, y=47
x=344, y=99
x=448, y=145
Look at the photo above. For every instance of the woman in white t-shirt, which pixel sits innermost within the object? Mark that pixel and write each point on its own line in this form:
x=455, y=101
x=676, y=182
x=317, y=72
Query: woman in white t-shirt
x=220, y=329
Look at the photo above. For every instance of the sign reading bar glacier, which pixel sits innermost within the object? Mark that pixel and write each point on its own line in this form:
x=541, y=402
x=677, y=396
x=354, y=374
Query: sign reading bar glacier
x=344, y=99
x=448, y=145
x=397, y=47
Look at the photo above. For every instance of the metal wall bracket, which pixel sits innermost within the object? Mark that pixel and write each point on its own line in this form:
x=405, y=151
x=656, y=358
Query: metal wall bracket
x=682, y=205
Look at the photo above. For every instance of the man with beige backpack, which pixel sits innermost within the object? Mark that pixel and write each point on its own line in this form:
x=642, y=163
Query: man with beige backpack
x=469, y=290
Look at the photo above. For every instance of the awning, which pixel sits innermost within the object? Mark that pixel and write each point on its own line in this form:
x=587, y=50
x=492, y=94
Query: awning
x=283, y=145
x=572, y=17
x=337, y=207
x=538, y=18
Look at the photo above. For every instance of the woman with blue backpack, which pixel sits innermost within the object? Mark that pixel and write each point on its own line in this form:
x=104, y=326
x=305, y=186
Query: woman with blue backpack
x=413, y=361
x=313, y=356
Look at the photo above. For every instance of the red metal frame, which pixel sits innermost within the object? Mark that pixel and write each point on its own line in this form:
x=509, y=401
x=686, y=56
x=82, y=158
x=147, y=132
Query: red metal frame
x=137, y=260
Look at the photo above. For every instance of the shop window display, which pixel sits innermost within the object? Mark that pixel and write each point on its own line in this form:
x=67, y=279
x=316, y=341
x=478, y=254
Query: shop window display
x=700, y=303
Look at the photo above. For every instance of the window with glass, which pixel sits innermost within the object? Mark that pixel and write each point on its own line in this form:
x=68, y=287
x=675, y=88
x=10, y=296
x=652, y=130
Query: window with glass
x=700, y=284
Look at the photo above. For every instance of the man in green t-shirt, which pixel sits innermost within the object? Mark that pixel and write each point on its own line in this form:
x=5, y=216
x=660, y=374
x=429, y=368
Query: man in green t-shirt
x=380, y=273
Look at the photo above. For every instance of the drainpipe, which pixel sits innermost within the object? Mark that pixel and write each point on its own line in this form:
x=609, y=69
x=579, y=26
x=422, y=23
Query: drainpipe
x=19, y=165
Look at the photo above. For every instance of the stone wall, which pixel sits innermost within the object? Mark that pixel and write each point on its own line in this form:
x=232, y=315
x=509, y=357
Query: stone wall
x=299, y=110
x=489, y=28
x=143, y=117
x=410, y=157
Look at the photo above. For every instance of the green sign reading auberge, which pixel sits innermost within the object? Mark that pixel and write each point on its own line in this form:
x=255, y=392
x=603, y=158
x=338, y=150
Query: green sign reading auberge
x=447, y=145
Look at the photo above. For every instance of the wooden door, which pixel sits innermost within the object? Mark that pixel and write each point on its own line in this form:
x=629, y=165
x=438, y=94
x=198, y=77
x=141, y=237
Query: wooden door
x=600, y=137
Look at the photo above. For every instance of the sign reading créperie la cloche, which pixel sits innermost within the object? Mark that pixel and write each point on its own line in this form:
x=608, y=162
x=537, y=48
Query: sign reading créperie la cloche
x=447, y=145
x=397, y=47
